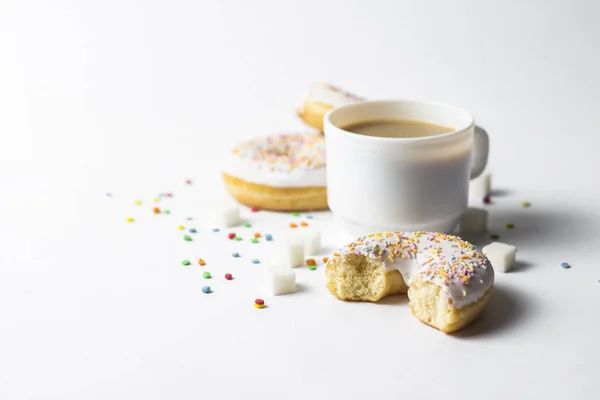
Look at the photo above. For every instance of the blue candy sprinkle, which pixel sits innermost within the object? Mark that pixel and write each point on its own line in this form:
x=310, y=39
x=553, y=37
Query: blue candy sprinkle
x=206, y=289
x=189, y=218
x=309, y=217
x=235, y=254
x=255, y=261
x=565, y=265
x=268, y=237
x=193, y=230
x=216, y=229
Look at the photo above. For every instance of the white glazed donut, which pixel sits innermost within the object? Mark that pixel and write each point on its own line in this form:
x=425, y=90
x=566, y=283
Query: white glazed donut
x=449, y=282
x=283, y=172
x=319, y=100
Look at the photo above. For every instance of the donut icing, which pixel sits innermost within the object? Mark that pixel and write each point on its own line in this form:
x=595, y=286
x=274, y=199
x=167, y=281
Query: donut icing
x=463, y=273
x=330, y=95
x=283, y=160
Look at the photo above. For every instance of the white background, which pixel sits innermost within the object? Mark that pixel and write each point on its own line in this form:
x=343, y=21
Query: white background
x=133, y=97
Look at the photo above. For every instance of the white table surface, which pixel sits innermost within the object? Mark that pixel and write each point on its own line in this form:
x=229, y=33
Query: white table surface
x=133, y=98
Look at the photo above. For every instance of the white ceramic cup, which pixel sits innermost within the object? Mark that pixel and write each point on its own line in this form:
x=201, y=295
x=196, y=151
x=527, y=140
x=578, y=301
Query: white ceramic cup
x=379, y=184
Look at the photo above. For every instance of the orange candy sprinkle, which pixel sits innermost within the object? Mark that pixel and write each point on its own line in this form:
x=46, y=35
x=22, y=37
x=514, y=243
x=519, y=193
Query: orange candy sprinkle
x=303, y=223
x=201, y=262
x=156, y=210
x=311, y=262
x=325, y=259
x=293, y=226
x=257, y=235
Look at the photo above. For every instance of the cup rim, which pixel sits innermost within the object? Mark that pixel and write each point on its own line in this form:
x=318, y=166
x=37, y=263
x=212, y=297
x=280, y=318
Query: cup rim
x=327, y=121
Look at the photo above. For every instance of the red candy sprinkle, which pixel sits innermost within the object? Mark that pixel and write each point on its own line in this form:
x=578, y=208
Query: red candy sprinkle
x=228, y=277
x=188, y=182
x=259, y=302
x=231, y=235
x=254, y=209
x=487, y=200
x=169, y=194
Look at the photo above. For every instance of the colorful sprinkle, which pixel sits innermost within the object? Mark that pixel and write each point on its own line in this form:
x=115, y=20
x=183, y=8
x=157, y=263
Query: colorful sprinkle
x=293, y=226
x=565, y=265
x=180, y=227
x=259, y=306
x=309, y=217
x=138, y=202
x=185, y=262
x=325, y=259
x=206, y=275
x=303, y=223
x=169, y=194
x=526, y=204
x=216, y=230
x=257, y=235
x=311, y=262
x=187, y=238
x=108, y=194
x=510, y=226
x=231, y=235
x=130, y=219
x=254, y=240
x=201, y=262
x=487, y=200
x=254, y=209
x=259, y=302
x=248, y=225
x=188, y=181
x=189, y=219
x=206, y=289
x=156, y=199
x=192, y=230
x=312, y=267
x=268, y=237
x=156, y=210
x=228, y=277
x=295, y=214
x=255, y=261
x=167, y=212
x=235, y=254
x=237, y=238
x=494, y=236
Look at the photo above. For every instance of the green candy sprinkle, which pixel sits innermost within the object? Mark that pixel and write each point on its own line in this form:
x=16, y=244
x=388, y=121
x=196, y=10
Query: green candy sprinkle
x=248, y=225
x=237, y=238
x=254, y=240
x=510, y=226
x=187, y=238
x=206, y=275
x=166, y=212
x=312, y=267
x=296, y=214
x=185, y=262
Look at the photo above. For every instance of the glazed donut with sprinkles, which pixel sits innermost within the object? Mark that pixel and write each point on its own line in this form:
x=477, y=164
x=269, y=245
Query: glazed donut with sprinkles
x=282, y=172
x=449, y=282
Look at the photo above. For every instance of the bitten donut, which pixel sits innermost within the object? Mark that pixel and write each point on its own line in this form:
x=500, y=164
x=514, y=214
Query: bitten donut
x=283, y=172
x=449, y=282
x=319, y=100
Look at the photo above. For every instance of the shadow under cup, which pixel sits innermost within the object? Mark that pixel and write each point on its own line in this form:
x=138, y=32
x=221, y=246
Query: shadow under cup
x=377, y=184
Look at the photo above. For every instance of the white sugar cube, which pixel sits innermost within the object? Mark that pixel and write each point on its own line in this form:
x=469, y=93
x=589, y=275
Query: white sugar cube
x=280, y=279
x=312, y=242
x=481, y=186
x=225, y=216
x=290, y=251
x=474, y=220
x=502, y=256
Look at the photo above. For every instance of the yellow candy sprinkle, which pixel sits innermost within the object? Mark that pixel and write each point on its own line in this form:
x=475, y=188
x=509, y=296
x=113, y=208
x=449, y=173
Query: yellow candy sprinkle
x=181, y=227
x=129, y=219
x=259, y=305
x=156, y=200
x=138, y=202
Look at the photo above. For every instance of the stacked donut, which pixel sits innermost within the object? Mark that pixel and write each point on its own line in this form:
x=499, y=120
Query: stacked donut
x=286, y=172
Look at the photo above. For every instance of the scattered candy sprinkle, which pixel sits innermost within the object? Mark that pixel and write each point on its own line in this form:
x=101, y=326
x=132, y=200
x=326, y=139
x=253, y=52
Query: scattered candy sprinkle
x=156, y=199
x=255, y=261
x=138, y=202
x=303, y=223
x=309, y=217
x=231, y=235
x=494, y=236
x=295, y=214
x=235, y=254
x=187, y=238
x=167, y=212
x=169, y=194
x=259, y=302
x=487, y=200
x=325, y=259
x=565, y=265
x=216, y=230
x=206, y=275
x=312, y=267
x=206, y=289
x=248, y=225
x=189, y=219
x=259, y=305
x=254, y=240
x=188, y=182
x=526, y=204
x=156, y=210
x=311, y=262
x=510, y=226
x=192, y=230
x=268, y=237
x=201, y=262
x=228, y=277
x=185, y=262
x=108, y=194
x=254, y=209
x=129, y=219
x=293, y=226
x=257, y=235
x=237, y=238
x=180, y=227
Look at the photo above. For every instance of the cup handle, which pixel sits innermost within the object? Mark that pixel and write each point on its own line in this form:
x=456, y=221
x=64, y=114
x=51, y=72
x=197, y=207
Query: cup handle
x=481, y=149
